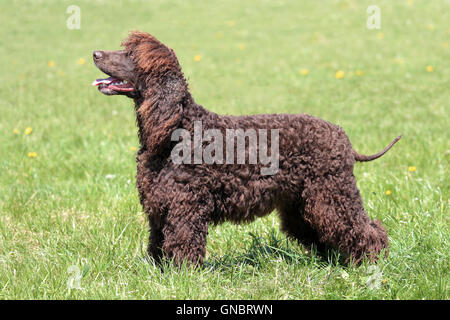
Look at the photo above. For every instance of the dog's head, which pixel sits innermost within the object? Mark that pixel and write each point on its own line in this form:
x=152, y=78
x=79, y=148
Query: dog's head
x=149, y=72
x=144, y=63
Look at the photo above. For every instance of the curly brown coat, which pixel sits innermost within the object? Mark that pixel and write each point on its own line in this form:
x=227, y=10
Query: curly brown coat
x=314, y=190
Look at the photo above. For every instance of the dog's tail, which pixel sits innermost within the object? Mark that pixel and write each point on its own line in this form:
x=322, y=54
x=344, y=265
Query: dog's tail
x=363, y=158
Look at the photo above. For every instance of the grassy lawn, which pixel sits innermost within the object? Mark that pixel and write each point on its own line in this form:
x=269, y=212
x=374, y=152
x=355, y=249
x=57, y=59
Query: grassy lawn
x=69, y=209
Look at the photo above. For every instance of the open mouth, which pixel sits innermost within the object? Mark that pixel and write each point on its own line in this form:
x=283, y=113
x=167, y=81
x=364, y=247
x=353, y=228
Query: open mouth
x=113, y=85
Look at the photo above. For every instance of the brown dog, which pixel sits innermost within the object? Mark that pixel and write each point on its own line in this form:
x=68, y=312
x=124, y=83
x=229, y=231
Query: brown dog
x=312, y=185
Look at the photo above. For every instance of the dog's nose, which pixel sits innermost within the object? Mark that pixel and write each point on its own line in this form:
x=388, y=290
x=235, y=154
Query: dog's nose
x=97, y=55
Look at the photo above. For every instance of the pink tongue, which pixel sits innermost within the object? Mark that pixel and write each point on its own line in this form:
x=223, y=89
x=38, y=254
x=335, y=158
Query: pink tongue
x=105, y=81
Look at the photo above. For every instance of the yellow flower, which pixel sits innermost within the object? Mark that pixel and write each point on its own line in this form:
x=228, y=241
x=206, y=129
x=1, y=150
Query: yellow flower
x=340, y=74
x=231, y=23
x=445, y=44
x=16, y=131
x=32, y=154
x=430, y=68
x=242, y=46
x=81, y=61
x=399, y=60
x=358, y=72
x=197, y=58
x=51, y=63
x=133, y=149
x=384, y=281
x=410, y=2
x=28, y=131
x=380, y=35
x=388, y=192
x=218, y=35
x=304, y=72
x=412, y=168
x=60, y=73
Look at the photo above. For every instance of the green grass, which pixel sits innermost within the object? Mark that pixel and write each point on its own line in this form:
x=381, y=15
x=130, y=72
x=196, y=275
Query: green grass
x=59, y=211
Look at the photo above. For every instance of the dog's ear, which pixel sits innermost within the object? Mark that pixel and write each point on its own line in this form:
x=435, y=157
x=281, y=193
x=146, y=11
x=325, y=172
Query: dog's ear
x=159, y=115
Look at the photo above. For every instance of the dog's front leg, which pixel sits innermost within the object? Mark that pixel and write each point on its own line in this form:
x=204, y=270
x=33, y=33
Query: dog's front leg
x=186, y=228
x=156, y=238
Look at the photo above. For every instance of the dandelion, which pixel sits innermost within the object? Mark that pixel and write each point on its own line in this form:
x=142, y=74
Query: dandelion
x=399, y=60
x=430, y=68
x=16, y=131
x=231, y=23
x=218, y=35
x=340, y=74
x=28, y=131
x=388, y=192
x=133, y=149
x=32, y=154
x=81, y=61
x=410, y=2
x=445, y=44
x=358, y=72
x=60, y=73
x=51, y=63
x=384, y=281
x=242, y=46
x=412, y=169
x=304, y=72
x=380, y=35
x=197, y=58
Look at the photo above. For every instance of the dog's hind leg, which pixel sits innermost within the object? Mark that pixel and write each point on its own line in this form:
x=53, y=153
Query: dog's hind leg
x=334, y=208
x=292, y=220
